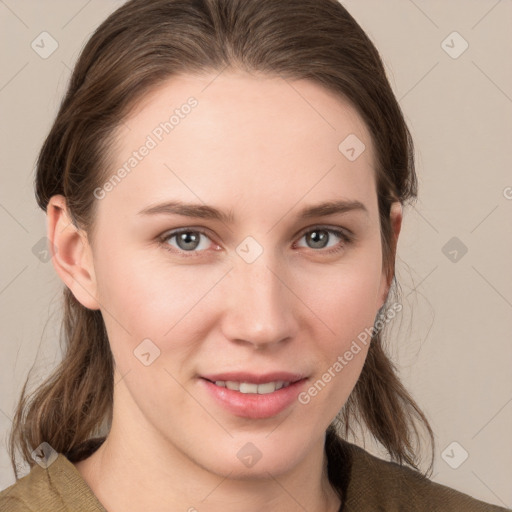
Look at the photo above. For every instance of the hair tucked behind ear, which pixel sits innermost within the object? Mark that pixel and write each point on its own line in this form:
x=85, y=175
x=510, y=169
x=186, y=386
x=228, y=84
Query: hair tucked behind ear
x=139, y=46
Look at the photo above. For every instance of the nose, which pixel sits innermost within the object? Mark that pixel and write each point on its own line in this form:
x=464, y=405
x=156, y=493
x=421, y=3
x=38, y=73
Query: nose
x=260, y=306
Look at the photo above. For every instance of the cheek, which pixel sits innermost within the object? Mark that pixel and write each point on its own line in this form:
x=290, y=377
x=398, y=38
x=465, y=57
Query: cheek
x=143, y=297
x=350, y=301
x=349, y=312
x=348, y=308
x=345, y=296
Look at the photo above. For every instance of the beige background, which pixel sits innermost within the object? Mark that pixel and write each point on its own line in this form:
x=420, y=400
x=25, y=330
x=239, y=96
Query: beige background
x=453, y=348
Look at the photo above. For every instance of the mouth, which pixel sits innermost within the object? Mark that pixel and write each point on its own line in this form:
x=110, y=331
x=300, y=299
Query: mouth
x=254, y=396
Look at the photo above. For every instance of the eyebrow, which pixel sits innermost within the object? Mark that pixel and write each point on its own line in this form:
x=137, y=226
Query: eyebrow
x=203, y=211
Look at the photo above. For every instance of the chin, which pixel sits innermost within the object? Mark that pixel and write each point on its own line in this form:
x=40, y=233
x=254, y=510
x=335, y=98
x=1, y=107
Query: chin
x=256, y=460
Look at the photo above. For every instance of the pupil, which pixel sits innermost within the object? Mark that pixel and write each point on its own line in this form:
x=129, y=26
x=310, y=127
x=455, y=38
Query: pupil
x=188, y=238
x=319, y=238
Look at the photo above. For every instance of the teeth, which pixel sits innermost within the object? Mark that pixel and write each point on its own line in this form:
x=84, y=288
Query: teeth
x=245, y=387
x=249, y=387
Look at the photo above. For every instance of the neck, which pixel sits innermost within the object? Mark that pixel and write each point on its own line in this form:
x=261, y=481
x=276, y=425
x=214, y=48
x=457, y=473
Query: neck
x=133, y=470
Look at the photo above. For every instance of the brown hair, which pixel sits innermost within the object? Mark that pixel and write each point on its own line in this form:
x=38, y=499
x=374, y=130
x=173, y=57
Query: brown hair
x=142, y=44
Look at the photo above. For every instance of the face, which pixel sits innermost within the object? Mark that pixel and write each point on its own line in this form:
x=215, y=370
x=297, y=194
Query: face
x=226, y=327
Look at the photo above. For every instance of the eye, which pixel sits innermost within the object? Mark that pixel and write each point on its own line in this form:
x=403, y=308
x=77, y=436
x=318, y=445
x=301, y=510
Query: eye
x=319, y=237
x=187, y=241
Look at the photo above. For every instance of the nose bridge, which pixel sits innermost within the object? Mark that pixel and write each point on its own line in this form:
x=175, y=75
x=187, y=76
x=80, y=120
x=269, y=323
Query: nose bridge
x=260, y=306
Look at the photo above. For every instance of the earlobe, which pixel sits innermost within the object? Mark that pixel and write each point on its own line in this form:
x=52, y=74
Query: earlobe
x=71, y=253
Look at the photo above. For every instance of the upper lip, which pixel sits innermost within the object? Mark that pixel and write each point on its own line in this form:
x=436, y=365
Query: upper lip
x=255, y=378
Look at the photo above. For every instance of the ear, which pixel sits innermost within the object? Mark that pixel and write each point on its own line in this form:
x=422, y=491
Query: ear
x=71, y=253
x=396, y=224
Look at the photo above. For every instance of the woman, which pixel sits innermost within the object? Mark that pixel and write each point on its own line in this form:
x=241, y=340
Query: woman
x=224, y=185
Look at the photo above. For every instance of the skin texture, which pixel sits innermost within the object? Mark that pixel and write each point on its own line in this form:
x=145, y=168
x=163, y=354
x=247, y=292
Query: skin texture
x=263, y=148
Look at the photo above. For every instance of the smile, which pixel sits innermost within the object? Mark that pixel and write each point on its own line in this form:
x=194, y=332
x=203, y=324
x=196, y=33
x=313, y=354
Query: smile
x=253, y=396
x=250, y=387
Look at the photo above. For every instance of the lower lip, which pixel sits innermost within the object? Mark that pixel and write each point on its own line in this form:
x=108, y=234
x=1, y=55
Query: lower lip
x=252, y=405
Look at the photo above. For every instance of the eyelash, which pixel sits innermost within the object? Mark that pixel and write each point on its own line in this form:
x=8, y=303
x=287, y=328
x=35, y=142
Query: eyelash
x=345, y=237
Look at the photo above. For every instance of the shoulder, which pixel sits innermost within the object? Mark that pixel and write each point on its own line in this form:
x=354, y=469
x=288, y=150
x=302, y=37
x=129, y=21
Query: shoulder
x=32, y=492
x=58, y=488
x=374, y=482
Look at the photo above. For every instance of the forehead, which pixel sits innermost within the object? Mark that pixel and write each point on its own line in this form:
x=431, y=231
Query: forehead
x=215, y=138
